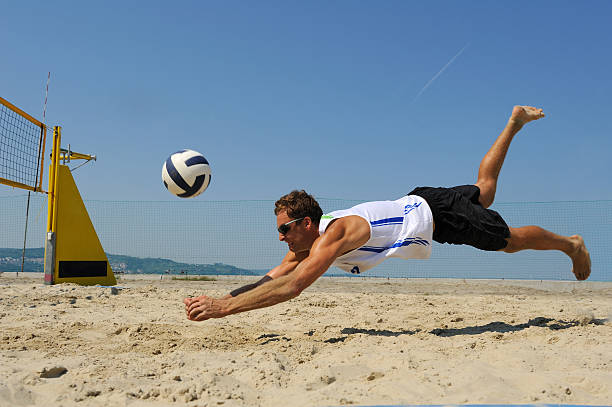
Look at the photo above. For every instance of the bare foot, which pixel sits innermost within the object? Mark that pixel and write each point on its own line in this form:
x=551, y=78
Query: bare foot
x=525, y=114
x=581, y=259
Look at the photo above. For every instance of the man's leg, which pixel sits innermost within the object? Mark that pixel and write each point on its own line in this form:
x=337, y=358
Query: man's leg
x=494, y=159
x=536, y=238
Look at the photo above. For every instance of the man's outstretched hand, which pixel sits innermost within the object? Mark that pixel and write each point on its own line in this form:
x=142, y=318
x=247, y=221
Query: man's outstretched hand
x=202, y=308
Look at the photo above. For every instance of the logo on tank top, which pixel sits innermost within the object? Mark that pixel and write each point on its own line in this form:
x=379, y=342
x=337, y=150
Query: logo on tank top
x=355, y=270
x=409, y=208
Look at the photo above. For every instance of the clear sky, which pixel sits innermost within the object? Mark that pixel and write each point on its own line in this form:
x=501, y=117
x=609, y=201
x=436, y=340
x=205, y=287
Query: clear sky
x=347, y=99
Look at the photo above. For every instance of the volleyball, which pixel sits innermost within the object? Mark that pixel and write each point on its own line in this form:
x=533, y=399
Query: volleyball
x=186, y=173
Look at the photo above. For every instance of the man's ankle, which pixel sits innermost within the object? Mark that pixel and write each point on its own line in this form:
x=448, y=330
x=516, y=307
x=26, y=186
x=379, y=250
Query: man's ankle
x=515, y=124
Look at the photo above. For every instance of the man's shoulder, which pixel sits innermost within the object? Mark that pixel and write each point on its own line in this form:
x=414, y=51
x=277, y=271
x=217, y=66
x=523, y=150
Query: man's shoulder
x=348, y=222
x=353, y=230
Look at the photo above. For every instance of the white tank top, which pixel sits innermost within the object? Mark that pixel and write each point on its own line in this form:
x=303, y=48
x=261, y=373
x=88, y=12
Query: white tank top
x=401, y=228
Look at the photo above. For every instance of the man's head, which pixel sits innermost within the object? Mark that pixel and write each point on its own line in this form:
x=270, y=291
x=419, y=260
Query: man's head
x=297, y=216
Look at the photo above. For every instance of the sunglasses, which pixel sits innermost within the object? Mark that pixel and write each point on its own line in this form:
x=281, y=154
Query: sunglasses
x=284, y=228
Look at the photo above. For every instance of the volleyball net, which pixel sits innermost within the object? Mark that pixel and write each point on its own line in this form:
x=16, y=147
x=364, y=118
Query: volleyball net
x=22, y=144
x=240, y=237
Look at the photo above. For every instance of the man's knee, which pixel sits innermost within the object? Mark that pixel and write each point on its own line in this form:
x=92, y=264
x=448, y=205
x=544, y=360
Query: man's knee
x=510, y=248
x=514, y=242
x=487, y=192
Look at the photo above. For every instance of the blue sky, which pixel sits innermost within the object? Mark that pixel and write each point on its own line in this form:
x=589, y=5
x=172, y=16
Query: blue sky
x=323, y=95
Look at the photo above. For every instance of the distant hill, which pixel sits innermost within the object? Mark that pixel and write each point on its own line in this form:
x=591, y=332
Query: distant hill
x=10, y=261
x=32, y=253
x=137, y=265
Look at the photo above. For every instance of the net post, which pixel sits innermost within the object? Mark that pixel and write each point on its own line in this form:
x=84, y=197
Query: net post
x=50, y=258
x=52, y=208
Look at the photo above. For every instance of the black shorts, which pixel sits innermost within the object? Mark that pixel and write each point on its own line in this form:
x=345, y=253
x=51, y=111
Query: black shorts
x=460, y=218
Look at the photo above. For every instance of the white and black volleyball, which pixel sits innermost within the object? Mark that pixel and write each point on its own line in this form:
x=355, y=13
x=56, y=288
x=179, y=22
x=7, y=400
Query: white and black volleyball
x=186, y=173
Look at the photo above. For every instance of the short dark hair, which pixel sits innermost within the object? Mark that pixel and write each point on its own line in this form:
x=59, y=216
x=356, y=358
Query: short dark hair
x=299, y=204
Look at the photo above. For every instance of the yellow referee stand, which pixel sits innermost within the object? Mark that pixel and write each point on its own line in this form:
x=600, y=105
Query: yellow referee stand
x=73, y=253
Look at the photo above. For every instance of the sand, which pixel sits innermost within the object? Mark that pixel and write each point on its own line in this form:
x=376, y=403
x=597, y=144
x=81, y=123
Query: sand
x=342, y=342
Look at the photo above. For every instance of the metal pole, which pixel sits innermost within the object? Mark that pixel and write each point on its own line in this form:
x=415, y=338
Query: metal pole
x=52, y=208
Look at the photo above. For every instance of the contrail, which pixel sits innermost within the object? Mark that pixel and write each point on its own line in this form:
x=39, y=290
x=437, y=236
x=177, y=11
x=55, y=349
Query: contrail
x=439, y=73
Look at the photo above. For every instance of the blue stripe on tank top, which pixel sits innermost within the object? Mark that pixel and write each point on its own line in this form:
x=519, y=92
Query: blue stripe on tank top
x=387, y=221
x=405, y=242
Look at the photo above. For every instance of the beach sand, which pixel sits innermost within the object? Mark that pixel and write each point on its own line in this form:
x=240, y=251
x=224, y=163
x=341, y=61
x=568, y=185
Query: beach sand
x=344, y=341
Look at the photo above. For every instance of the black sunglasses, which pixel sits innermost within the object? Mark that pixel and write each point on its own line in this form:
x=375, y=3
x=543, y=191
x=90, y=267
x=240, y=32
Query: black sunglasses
x=284, y=228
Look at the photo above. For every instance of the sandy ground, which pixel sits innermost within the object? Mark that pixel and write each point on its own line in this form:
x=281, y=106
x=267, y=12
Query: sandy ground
x=342, y=342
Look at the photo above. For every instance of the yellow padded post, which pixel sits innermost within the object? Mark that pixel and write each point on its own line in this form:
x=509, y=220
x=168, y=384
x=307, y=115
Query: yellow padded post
x=79, y=257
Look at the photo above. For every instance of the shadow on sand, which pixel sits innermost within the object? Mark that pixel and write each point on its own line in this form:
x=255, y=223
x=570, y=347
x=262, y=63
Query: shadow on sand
x=499, y=327
x=503, y=327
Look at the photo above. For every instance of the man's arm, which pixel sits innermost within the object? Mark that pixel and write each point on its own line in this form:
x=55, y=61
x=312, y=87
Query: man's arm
x=286, y=287
x=288, y=264
x=342, y=236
